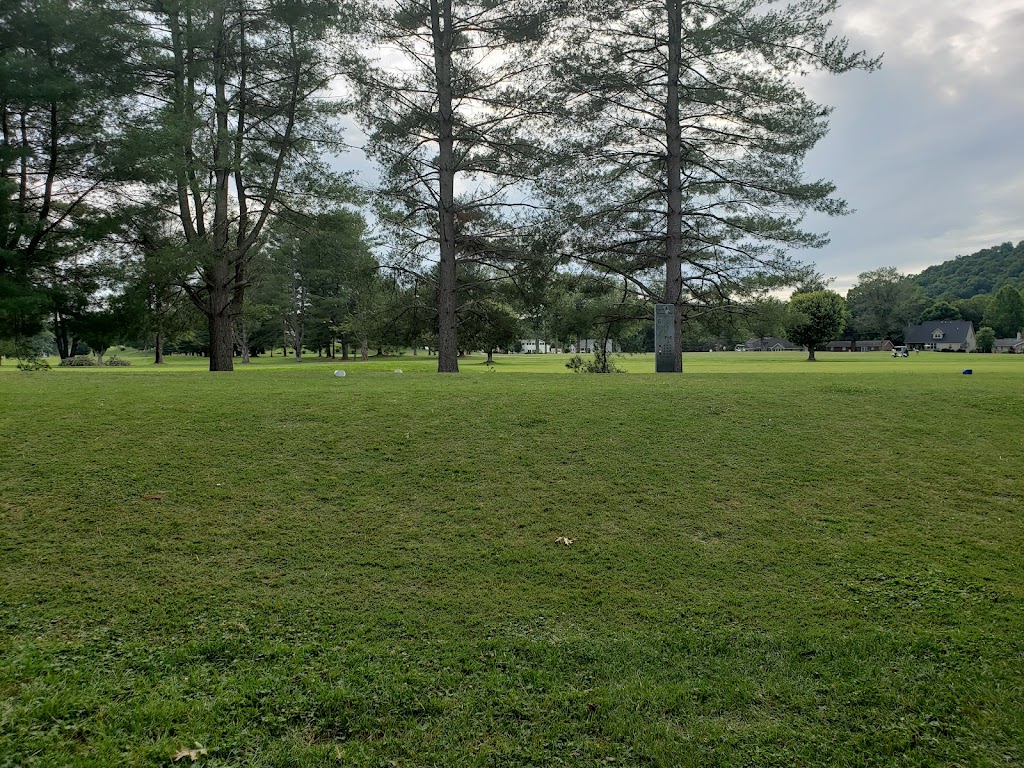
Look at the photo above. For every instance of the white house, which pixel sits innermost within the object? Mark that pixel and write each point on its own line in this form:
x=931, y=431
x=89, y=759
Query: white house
x=535, y=346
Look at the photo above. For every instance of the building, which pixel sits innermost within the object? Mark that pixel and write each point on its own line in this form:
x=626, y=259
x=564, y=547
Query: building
x=874, y=345
x=772, y=344
x=590, y=345
x=942, y=336
x=839, y=346
x=1011, y=346
x=535, y=347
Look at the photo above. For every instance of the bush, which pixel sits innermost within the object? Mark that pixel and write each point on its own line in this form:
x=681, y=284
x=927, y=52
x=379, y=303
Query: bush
x=578, y=364
x=79, y=361
x=115, y=362
x=33, y=364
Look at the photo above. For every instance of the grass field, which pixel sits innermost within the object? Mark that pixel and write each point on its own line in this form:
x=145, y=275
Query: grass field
x=775, y=563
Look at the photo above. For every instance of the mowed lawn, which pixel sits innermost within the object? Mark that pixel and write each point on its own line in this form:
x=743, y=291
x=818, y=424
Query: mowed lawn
x=774, y=563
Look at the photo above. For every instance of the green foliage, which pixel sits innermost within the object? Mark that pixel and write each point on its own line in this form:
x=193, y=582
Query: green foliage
x=974, y=308
x=815, y=318
x=1005, y=313
x=31, y=364
x=985, y=271
x=986, y=339
x=78, y=361
x=599, y=364
x=883, y=303
x=64, y=90
x=939, y=310
x=697, y=210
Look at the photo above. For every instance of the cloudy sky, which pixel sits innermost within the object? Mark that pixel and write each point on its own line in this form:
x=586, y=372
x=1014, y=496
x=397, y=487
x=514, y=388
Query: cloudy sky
x=929, y=149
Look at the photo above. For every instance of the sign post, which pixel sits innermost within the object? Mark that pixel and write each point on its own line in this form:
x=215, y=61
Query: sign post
x=664, y=338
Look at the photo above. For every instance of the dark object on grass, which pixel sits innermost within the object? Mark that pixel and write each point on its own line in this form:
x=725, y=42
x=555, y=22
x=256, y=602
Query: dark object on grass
x=968, y=371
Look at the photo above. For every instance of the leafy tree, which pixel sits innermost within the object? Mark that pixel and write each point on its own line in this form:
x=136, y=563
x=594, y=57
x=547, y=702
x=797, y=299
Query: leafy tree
x=940, y=310
x=765, y=317
x=815, y=318
x=690, y=127
x=883, y=303
x=451, y=115
x=974, y=308
x=1005, y=313
x=239, y=134
x=986, y=338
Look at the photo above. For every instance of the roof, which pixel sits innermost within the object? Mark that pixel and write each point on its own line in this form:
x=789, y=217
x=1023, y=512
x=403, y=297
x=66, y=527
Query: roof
x=769, y=342
x=953, y=332
x=839, y=344
x=1012, y=342
x=871, y=342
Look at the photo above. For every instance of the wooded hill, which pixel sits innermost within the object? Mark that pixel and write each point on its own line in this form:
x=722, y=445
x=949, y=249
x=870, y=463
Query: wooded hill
x=986, y=271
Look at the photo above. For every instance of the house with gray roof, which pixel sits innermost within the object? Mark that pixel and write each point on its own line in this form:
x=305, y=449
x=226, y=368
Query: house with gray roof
x=873, y=345
x=1012, y=346
x=772, y=344
x=839, y=346
x=942, y=335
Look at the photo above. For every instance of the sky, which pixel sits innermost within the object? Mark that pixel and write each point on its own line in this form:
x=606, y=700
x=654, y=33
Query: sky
x=929, y=149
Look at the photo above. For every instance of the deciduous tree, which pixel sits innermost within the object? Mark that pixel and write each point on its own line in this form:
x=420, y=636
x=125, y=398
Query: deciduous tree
x=815, y=318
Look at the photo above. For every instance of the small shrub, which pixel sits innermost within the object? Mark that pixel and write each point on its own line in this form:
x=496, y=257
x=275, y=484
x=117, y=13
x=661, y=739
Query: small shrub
x=33, y=364
x=579, y=365
x=79, y=361
x=115, y=362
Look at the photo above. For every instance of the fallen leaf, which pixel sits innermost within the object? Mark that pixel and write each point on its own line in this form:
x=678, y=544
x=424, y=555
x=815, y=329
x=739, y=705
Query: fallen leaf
x=564, y=540
x=191, y=754
x=153, y=496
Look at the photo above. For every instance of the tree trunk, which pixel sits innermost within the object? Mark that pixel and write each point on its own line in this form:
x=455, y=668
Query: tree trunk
x=243, y=342
x=344, y=349
x=674, y=184
x=810, y=353
x=222, y=341
x=159, y=344
x=490, y=357
x=364, y=347
x=447, y=357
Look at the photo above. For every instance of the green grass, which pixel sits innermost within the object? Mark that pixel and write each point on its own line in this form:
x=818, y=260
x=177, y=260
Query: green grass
x=775, y=563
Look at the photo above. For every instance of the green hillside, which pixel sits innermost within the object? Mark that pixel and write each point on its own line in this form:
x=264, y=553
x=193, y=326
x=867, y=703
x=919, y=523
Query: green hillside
x=986, y=271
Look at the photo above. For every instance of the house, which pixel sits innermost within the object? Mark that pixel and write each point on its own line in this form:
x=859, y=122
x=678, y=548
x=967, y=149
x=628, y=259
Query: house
x=839, y=346
x=874, y=345
x=535, y=346
x=590, y=345
x=1011, y=346
x=772, y=344
x=942, y=335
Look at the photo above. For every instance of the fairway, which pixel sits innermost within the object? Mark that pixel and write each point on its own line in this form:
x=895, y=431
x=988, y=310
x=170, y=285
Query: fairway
x=774, y=563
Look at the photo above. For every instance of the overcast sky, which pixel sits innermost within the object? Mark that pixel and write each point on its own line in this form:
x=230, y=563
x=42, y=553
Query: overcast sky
x=929, y=149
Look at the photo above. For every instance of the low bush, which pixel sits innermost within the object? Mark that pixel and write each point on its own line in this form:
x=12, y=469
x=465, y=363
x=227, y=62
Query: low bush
x=33, y=364
x=79, y=361
x=114, y=361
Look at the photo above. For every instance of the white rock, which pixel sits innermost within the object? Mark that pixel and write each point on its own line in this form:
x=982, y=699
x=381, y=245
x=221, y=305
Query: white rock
x=340, y=374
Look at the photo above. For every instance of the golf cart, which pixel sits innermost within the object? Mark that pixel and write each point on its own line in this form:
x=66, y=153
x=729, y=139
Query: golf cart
x=900, y=352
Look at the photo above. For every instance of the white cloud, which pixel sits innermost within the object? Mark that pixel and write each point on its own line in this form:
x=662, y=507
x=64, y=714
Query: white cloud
x=927, y=149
